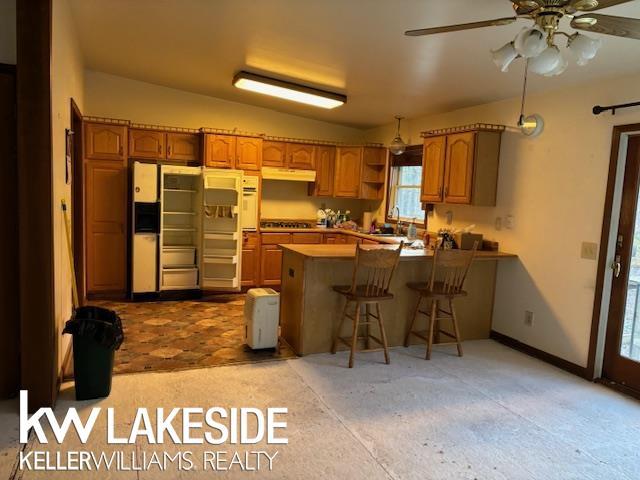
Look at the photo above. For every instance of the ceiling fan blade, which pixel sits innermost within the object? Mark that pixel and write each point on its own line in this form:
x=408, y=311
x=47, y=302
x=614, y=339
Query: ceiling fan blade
x=593, y=5
x=608, y=25
x=463, y=26
x=524, y=7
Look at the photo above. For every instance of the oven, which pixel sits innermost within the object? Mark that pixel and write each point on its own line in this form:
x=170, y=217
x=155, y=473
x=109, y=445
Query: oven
x=250, y=200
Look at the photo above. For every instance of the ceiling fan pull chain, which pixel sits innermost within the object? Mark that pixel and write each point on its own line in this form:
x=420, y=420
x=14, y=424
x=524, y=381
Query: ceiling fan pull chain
x=524, y=92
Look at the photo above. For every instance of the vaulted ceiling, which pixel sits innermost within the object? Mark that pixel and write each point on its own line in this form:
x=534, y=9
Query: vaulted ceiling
x=356, y=47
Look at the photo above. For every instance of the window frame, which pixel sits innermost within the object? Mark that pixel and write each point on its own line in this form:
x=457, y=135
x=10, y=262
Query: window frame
x=412, y=157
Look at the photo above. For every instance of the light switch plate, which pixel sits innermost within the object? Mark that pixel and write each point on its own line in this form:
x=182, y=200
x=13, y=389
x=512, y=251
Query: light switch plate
x=589, y=251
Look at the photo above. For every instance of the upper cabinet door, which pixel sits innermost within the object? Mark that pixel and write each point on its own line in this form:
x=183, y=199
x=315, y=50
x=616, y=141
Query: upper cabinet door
x=348, y=171
x=300, y=156
x=105, y=142
x=184, y=147
x=325, y=160
x=433, y=159
x=459, y=167
x=147, y=144
x=273, y=154
x=220, y=151
x=248, y=153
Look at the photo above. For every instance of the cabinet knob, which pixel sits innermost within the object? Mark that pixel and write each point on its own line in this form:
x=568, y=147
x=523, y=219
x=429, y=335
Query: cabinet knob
x=137, y=189
x=169, y=150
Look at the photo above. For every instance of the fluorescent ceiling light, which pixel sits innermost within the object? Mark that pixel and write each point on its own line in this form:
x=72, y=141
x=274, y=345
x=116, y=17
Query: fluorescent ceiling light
x=288, y=91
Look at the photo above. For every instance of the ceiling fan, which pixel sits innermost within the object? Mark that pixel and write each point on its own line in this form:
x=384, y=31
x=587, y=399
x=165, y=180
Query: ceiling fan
x=537, y=43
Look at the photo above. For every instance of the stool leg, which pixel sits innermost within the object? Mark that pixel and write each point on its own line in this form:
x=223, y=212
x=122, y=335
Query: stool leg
x=436, y=326
x=367, y=343
x=334, y=346
x=456, y=330
x=383, y=334
x=432, y=321
x=354, y=339
x=413, y=321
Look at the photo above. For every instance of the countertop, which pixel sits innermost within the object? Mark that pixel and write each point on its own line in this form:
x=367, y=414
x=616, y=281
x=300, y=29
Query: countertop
x=348, y=251
x=381, y=239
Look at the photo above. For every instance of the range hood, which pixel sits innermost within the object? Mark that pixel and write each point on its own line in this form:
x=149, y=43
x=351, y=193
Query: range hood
x=275, y=173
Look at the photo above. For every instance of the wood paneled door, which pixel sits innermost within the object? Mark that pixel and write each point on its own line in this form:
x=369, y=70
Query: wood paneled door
x=622, y=345
x=147, y=144
x=183, y=147
x=220, y=151
x=300, y=156
x=105, y=142
x=433, y=161
x=274, y=153
x=248, y=153
x=325, y=161
x=347, y=172
x=106, y=243
x=250, y=259
x=459, y=167
x=270, y=265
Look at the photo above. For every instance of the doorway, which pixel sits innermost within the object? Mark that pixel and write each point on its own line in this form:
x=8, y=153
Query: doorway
x=621, y=361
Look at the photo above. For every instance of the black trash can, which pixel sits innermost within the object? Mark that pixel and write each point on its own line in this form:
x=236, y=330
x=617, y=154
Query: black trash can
x=97, y=334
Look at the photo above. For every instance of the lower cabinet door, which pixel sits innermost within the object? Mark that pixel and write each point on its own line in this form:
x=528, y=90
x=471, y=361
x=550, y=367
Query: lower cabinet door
x=250, y=266
x=106, y=215
x=270, y=265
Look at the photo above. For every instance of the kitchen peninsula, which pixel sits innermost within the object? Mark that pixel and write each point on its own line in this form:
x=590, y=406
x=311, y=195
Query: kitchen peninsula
x=310, y=310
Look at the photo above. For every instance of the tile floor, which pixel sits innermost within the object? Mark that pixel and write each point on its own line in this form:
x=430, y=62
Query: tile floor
x=176, y=335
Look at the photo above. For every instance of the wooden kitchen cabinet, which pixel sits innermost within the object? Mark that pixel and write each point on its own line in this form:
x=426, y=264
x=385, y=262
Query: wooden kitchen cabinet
x=274, y=154
x=467, y=171
x=250, y=259
x=271, y=257
x=325, y=161
x=335, y=239
x=307, y=238
x=300, y=156
x=372, y=177
x=147, y=144
x=433, y=159
x=347, y=172
x=248, y=153
x=106, y=226
x=219, y=151
x=183, y=147
x=105, y=142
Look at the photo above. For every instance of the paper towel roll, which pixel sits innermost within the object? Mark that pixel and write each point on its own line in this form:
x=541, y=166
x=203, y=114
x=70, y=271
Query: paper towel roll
x=367, y=218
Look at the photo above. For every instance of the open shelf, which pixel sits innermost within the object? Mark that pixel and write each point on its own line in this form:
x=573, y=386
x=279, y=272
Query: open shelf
x=179, y=190
x=220, y=235
x=220, y=282
x=178, y=229
x=229, y=260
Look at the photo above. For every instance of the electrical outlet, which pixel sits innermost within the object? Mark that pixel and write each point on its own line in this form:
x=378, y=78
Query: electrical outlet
x=589, y=251
x=528, y=318
x=509, y=222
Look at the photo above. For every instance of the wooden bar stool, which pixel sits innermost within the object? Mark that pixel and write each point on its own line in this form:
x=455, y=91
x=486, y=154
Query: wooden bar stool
x=448, y=274
x=372, y=273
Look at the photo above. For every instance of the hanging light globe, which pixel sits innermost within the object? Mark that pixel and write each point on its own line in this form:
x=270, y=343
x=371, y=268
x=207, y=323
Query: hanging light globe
x=584, y=47
x=530, y=42
x=503, y=57
x=398, y=146
x=546, y=62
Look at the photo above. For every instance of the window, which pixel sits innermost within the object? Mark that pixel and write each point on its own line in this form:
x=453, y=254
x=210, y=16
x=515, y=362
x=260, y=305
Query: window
x=404, y=192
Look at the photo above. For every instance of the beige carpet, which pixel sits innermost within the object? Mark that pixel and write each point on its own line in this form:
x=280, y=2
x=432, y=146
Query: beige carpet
x=494, y=414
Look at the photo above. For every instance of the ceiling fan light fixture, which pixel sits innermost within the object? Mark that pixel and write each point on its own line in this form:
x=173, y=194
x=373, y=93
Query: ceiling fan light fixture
x=530, y=42
x=584, y=48
x=562, y=66
x=503, y=57
x=547, y=61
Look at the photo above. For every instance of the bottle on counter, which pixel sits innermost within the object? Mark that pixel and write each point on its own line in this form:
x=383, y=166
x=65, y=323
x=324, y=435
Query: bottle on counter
x=412, y=231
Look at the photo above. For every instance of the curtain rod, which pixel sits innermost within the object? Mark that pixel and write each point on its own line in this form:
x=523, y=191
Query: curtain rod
x=597, y=110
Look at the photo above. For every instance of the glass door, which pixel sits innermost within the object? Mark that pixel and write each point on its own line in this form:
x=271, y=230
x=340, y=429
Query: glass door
x=622, y=347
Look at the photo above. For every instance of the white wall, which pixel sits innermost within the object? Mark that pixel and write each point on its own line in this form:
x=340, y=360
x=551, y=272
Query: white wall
x=554, y=186
x=8, y=31
x=67, y=81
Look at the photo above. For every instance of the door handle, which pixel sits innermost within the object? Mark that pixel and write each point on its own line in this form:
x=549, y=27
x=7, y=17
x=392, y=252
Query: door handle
x=616, y=266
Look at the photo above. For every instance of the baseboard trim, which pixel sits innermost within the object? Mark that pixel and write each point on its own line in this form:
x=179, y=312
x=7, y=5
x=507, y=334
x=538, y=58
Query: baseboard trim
x=618, y=387
x=541, y=355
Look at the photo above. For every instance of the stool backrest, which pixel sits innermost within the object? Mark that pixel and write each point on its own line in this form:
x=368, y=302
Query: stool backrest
x=450, y=267
x=376, y=266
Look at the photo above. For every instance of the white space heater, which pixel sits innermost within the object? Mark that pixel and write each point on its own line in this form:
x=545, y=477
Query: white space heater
x=261, y=317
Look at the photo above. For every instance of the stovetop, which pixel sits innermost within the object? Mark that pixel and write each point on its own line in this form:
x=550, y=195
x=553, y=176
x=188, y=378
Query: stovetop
x=285, y=224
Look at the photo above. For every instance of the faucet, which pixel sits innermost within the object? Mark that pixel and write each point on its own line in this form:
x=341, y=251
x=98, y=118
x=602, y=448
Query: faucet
x=398, y=222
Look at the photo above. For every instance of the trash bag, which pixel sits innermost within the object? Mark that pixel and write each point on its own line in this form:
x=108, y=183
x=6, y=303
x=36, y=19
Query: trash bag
x=100, y=324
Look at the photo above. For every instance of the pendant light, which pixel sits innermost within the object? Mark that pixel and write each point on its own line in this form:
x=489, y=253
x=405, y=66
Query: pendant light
x=398, y=146
x=531, y=125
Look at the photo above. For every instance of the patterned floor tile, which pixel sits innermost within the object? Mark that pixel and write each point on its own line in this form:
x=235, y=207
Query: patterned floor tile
x=174, y=335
